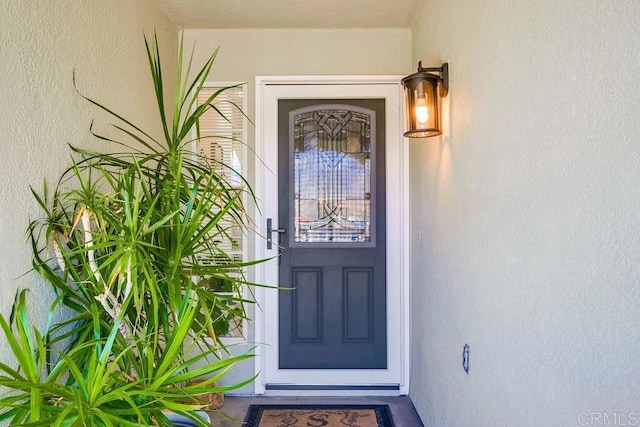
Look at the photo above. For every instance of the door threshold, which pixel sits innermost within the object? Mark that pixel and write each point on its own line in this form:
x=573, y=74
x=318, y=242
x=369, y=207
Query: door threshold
x=332, y=387
x=332, y=390
x=330, y=393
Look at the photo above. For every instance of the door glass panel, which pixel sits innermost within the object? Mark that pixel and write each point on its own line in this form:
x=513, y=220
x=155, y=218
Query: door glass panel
x=332, y=148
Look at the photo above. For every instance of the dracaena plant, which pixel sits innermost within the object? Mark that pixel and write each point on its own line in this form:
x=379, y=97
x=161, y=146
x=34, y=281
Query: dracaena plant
x=94, y=383
x=122, y=243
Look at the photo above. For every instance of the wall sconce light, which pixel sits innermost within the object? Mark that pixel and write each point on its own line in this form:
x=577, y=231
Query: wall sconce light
x=421, y=95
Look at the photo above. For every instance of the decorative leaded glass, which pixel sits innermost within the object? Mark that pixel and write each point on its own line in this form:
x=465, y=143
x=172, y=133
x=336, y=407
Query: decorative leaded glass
x=332, y=148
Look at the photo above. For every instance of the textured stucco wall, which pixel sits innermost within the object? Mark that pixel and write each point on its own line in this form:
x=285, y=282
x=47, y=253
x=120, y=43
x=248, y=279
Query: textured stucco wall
x=41, y=43
x=526, y=215
x=245, y=54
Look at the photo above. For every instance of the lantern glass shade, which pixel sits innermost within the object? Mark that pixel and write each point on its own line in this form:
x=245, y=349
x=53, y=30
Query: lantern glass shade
x=422, y=115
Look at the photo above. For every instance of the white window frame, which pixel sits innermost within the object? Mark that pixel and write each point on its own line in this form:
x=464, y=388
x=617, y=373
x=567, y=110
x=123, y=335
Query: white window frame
x=229, y=340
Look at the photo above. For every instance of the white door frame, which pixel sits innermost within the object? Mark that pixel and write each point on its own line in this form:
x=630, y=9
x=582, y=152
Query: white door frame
x=268, y=91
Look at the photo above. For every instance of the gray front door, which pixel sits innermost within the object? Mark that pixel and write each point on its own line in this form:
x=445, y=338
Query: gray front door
x=331, y=185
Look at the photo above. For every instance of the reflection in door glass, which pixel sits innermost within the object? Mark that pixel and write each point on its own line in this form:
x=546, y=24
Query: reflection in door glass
x=332, y=149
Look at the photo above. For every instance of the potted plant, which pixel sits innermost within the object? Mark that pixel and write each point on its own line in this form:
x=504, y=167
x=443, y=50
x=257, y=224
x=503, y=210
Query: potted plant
x=121, y=243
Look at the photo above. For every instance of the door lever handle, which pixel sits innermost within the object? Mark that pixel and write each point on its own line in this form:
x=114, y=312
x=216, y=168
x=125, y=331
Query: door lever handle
x=271, y=230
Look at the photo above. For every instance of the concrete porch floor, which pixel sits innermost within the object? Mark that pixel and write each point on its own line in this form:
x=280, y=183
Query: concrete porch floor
x=402, y=410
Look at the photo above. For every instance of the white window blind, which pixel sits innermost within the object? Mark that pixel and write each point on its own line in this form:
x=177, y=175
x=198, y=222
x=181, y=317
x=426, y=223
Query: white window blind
x=222, y=141
x=223, y=135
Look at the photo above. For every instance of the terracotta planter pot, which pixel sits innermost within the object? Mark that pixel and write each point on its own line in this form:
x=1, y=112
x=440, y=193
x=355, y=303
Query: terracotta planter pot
x=211, y=400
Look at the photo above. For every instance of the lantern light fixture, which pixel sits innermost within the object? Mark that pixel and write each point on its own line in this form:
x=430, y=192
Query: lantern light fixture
x=421, y=91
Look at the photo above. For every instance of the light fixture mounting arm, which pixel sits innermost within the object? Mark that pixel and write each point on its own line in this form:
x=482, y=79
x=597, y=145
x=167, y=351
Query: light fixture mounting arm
x=443, y=76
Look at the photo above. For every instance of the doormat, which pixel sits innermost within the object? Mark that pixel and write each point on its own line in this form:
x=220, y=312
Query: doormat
x=318, y=415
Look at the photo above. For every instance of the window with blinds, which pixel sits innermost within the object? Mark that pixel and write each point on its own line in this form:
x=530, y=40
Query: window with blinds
x=223, y=141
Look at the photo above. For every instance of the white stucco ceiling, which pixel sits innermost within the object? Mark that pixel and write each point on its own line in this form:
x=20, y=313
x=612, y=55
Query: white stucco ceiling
x=290, y=13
